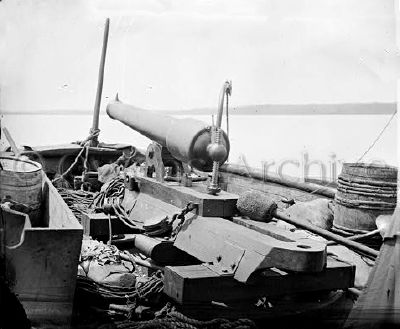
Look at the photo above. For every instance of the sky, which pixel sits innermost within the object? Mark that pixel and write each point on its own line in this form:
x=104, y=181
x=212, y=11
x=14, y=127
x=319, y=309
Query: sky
x=175, y=55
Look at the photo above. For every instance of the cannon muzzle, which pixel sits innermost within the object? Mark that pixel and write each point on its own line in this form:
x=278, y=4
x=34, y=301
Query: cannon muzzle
x=188, y=140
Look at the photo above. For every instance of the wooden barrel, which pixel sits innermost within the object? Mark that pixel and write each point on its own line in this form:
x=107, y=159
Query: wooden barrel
x=364, y=191
x=21, y=181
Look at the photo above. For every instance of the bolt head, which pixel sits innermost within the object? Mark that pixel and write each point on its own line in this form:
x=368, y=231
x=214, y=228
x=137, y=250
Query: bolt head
x=213, y=189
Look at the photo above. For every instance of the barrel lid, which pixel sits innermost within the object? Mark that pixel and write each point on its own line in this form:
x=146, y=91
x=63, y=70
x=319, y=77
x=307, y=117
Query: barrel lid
x=18, y=164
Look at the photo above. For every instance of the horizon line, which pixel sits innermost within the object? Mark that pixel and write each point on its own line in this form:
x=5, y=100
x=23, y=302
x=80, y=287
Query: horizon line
x=263, y=109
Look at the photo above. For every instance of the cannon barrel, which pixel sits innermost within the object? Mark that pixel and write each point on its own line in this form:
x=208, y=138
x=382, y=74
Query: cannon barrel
x=188, y=140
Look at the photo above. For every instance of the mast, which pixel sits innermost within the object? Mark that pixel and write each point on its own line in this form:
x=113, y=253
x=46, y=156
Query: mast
x=96, y=113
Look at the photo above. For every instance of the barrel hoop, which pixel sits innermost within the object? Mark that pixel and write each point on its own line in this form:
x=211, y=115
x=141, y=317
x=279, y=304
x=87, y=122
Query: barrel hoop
x=366, y=192
x=352, y=179
x=367, y=186
x=357, y=198
x=365, y=204
x=377, y=191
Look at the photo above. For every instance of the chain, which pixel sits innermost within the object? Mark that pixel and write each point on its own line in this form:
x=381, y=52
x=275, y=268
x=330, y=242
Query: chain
x=181, y=216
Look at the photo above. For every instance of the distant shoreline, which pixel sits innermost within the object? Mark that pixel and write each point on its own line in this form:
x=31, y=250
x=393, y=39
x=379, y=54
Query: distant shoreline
x=268, y=109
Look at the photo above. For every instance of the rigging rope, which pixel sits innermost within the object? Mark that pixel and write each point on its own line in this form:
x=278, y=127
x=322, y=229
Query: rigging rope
x=368, y=149
x=378, y=137
x=85, y=147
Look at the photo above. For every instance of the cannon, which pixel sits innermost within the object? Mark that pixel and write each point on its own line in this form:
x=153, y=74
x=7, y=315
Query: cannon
x=188, y=140
x=191, y=143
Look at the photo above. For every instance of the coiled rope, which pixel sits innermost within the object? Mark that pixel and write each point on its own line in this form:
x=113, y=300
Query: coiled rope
x=109, y=200
x=111, y=192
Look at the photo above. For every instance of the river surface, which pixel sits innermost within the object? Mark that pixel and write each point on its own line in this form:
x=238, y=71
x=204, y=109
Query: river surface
x=291, y=145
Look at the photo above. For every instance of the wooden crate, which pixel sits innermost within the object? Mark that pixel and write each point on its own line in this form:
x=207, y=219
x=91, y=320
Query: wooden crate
x=41, y=262
x=96, y=225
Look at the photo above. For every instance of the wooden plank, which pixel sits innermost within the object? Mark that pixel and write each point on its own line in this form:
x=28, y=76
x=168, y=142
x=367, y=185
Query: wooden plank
x=96, y=225
x=57, y=214
x=320, y=308
x=197, y=283
x=221, y=205
x=70, y=149
x=237, y=184
x=280, y=233
x=213, y=239
x=260, y=175
x=270, y=229
x=147, y=207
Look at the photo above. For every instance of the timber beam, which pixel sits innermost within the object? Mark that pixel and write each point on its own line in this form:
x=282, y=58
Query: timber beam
x=199, y=284
x=241, y=251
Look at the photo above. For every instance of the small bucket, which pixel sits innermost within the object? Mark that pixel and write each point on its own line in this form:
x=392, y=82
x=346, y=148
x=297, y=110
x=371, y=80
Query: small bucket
x=21, y=182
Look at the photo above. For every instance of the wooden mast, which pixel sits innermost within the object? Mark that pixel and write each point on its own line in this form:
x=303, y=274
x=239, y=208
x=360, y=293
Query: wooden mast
x=95, y=124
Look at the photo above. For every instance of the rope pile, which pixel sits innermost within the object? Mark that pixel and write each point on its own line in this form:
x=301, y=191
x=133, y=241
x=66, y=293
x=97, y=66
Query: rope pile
x=109, y=200
x=176, y=320
x=119, y=303
x=106, y=292
x=111, y=192
x=152, y=287
x=144, y=290
x=78, y=201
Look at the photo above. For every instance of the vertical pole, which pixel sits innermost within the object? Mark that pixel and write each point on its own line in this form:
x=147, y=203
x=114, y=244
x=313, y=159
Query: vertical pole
x=2, y=247
x=227, y=121
x=227, y=116
x=95, y=124
x=11, y=141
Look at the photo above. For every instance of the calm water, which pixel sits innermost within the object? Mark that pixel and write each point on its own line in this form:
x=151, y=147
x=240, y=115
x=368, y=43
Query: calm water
x=280, y=143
